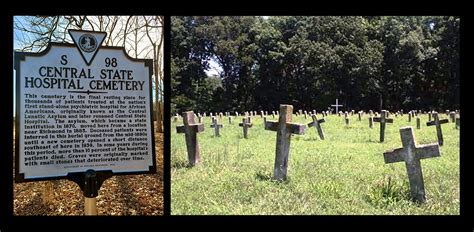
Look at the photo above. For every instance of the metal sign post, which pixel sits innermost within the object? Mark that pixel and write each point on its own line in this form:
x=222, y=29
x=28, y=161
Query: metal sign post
x=90, y=183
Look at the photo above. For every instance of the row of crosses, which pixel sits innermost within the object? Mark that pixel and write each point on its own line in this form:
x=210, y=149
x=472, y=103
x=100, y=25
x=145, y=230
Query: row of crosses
x=410, y=153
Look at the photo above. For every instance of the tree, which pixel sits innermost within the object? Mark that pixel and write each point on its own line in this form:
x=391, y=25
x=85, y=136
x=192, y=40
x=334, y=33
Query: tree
x=376, y=62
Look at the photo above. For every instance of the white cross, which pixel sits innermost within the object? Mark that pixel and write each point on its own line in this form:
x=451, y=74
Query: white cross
x=337, y=105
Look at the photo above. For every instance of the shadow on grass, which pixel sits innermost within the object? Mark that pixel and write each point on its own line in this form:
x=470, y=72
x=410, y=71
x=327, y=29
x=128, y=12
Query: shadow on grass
x=268, y=177
x=181, y=164
x=315, y=138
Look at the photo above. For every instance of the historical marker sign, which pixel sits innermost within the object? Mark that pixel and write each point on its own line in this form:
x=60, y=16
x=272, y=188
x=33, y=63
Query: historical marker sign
x=82, y=107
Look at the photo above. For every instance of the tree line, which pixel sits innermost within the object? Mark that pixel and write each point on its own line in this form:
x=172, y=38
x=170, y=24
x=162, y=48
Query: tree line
x=367, y=62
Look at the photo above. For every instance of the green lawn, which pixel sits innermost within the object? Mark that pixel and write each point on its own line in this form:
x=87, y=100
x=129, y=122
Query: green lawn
x=343, y=174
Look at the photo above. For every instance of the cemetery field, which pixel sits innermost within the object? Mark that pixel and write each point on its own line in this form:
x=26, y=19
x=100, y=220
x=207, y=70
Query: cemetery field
x=119, y=195
x=344, y=174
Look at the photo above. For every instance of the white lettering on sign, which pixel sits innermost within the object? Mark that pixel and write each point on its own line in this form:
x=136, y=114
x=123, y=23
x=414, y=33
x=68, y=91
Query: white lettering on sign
x=73, y=117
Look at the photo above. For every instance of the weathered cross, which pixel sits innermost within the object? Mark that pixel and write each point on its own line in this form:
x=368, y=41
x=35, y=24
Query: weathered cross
x=337, y=105
x=411, y=153
x=382, y=119
x=216, y=126
x=284, y=128
x=317, y=123
x=438, y=123
x=190, y=129
x=452, y=115
x=245, y=125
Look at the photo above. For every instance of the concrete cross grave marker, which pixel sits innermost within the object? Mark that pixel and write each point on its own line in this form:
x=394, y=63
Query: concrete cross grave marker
x=409, y=116
x=284, y=128
x=337, y=106
x=273, y=114
x=346, y=118
x=245, y=124
x=317, y=123
x=230, y=119
x=418, y=122
x=458, y=121
x=190, y=130
x=436, y=122
x=216, y=126
x=382, y=119
x=371, y=121
x=411, y=153
x=360, y=115
x=261, y=114
x=452, y=115
x=429, y=116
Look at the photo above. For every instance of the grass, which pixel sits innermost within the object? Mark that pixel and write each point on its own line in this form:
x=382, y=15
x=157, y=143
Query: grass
x=344, y=174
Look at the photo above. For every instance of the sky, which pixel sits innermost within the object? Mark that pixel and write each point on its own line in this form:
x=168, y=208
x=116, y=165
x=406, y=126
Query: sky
x=214, y=68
